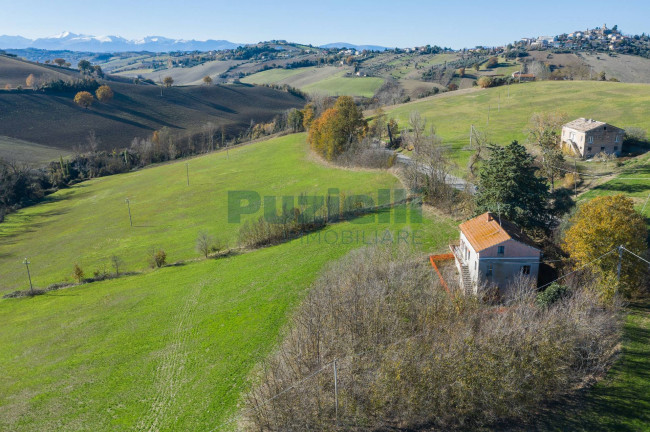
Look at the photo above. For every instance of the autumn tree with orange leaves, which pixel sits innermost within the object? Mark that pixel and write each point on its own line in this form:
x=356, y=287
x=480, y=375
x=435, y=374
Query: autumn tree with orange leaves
x=337, y=128
x=601, y=225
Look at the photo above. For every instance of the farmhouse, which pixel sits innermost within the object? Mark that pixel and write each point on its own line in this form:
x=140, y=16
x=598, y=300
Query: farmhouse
x=495, y=251
x=588, y=137
x=523, y=76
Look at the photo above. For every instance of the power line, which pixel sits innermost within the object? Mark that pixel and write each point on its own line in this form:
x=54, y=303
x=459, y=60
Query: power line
x=580, y=268
x=627, y=250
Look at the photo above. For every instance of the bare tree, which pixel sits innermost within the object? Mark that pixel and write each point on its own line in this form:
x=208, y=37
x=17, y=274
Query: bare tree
x=117, y=262
x=93, y=141
x=209, y=129
x=479, y=147
x=205, y=243
x=544, y=133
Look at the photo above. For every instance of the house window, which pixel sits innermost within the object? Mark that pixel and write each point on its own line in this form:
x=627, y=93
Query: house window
x=602, y=149
x=615, y=148
x=501, y=250
x=489, y=271
x=618, y=138
x=525, y=270
x=589, y=149
x=590, y=140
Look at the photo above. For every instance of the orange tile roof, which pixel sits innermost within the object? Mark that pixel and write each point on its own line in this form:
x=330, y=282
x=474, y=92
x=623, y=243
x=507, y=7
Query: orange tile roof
x=485, y=231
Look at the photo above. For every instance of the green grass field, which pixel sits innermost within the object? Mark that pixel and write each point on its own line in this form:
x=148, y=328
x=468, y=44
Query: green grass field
x=273, y=76
x=621, y=401
x=616, y=103
x=168, y=349
x=633, y=181
x=346, y=86
x=328, y=81
x=89, y=222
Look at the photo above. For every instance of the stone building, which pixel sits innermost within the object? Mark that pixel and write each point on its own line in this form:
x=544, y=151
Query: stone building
x=587, y=137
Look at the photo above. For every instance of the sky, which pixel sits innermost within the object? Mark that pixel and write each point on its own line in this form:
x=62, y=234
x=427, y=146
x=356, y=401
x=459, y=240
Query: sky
x=379, y=22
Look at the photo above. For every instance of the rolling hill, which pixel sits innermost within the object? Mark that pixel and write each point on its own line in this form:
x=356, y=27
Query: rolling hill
x=329, y=80
x=168, y=349
x=54, y=120
x=453, y=114
x=15, y=150
x=14, y=72
x=185, y=76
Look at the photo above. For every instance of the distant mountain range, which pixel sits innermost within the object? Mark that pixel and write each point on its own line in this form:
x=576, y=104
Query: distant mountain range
x=99, y=44
x=79, y=42
x=356, y=47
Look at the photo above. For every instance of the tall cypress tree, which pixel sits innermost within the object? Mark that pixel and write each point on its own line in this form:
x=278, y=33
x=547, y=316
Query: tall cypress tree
x=508, y=184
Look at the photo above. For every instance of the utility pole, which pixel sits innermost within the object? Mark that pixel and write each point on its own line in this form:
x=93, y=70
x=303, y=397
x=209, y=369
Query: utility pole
x=471, y=132
x=575, y=178
x=187, y=172
x=336, y=396
x=31, y=287
x=499, y=103
x=128, y=205
x=488, y=120
x=620, y=261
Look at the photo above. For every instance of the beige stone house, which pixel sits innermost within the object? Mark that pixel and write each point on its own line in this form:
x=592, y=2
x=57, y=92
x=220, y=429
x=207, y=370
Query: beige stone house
x=494, y=251
x=587, y=137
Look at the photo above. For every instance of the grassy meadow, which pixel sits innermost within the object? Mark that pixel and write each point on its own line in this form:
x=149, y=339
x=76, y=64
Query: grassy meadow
x=633, y=181
x=323, y=80
x=340, y=85
x=167, y=349
x=89, y=222
x=616, y=103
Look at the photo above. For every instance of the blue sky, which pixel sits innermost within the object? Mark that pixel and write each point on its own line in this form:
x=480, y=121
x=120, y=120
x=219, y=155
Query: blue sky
x=381, y=22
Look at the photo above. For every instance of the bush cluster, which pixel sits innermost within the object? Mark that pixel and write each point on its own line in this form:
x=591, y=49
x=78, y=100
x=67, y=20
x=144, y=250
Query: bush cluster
x=410, y=356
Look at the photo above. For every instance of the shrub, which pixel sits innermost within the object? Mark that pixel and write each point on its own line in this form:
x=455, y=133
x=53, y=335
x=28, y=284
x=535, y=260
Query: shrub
x=78, y=273
x=485, y=82
x=570, y=180
x=104, y=93
x=492, y=63
x=158, y=258
x=551, y=294
x=409, y=355
x=84, y=99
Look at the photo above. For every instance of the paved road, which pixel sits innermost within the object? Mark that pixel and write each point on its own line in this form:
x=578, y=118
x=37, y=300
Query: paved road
x=453, y=181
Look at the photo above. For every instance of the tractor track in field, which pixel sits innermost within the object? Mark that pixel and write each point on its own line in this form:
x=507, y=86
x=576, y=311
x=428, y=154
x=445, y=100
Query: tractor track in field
x=169, y=372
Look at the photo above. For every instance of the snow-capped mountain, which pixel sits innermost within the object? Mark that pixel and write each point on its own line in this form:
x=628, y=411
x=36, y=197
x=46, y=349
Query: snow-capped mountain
x=80, y=42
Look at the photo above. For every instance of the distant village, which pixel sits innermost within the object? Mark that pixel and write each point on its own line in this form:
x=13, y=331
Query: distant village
x=600, y=38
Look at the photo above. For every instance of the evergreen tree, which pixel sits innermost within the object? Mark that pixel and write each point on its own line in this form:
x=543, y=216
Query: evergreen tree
x=508, y=184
